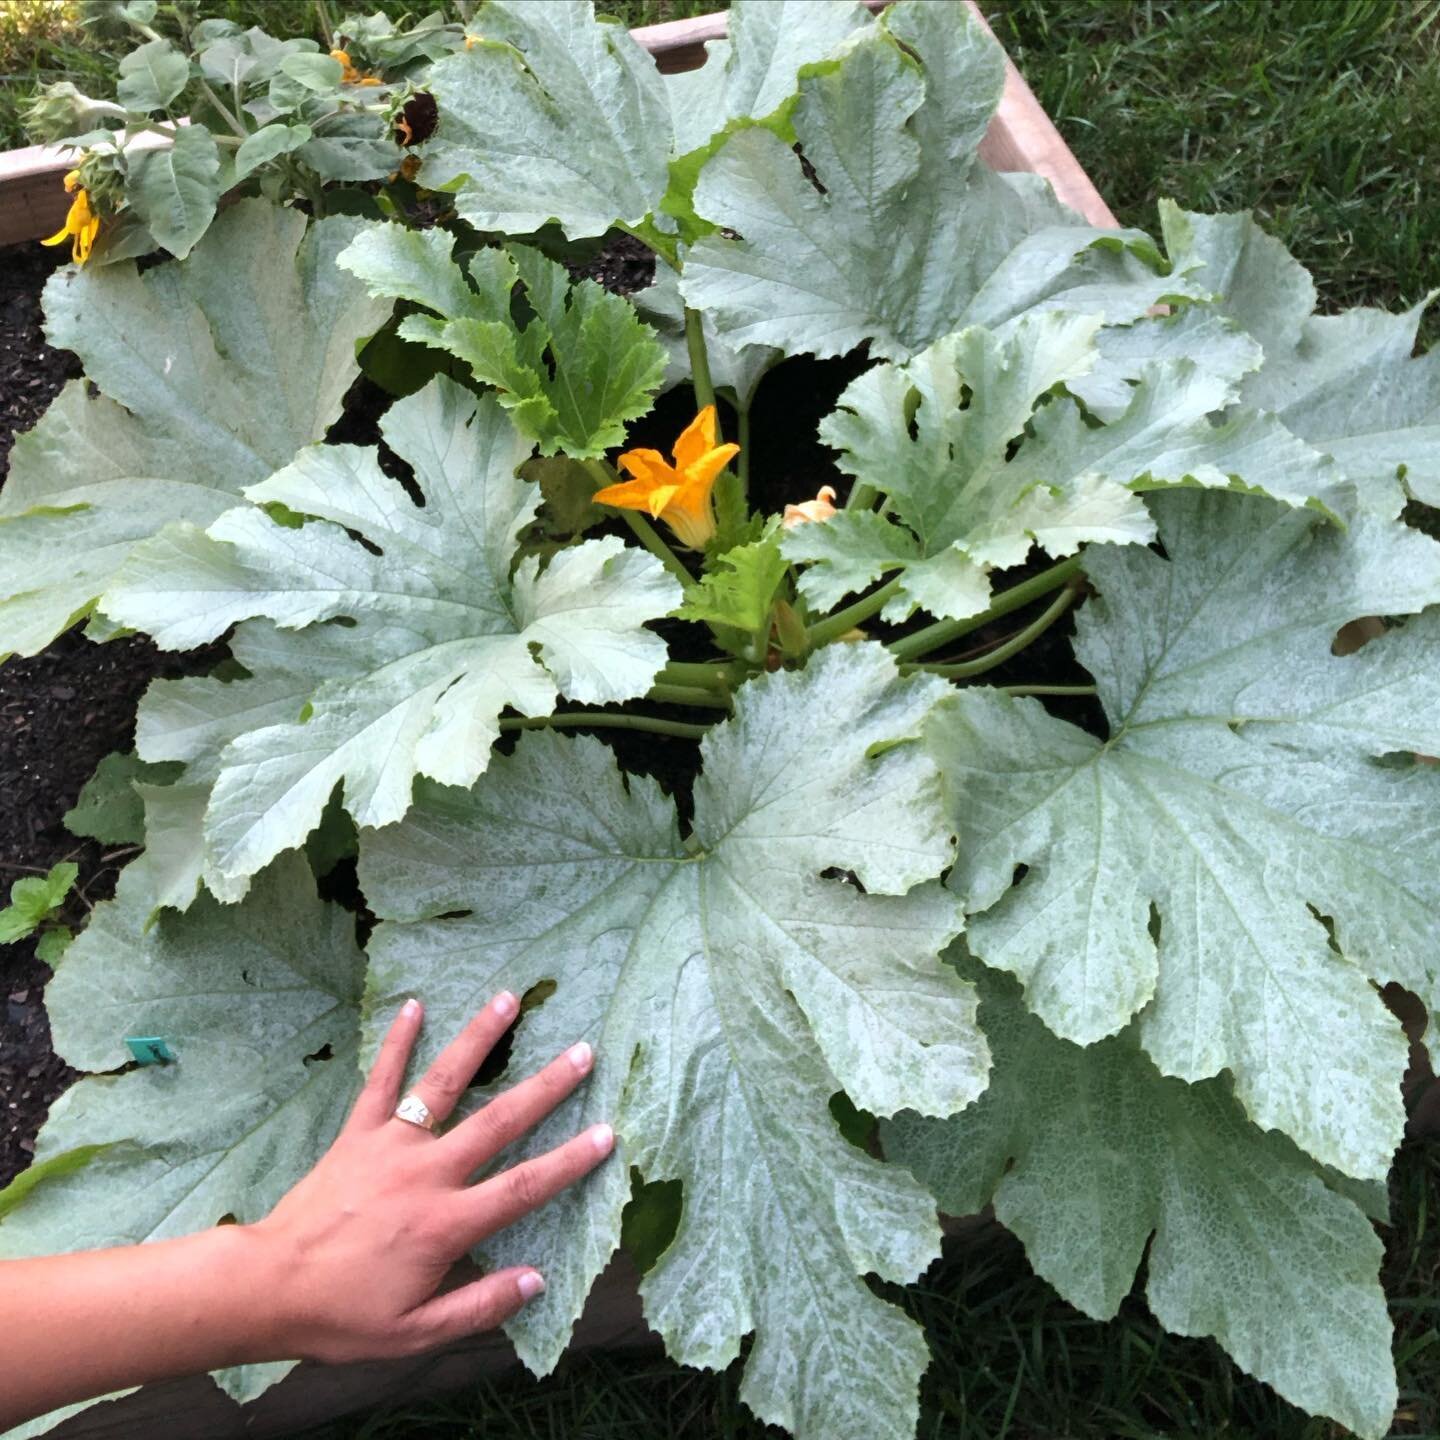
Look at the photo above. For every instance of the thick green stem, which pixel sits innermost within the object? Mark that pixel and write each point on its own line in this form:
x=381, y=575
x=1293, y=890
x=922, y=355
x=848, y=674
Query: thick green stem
x=742, y=461
x=704, y=675
x=836, y=625
x=965, y=669
x=222, y=110
x=1048, y=689
x=861, y=496
x=932, y=637
x=640, y=527
x=604, y=720
x=699, y=359
x=687, y=695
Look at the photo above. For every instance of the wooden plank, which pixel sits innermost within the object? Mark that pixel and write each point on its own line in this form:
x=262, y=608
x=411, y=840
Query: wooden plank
x=312, y=1394
x=1021, y=137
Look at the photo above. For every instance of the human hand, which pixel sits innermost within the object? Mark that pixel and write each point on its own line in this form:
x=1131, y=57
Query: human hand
x=361, y=1245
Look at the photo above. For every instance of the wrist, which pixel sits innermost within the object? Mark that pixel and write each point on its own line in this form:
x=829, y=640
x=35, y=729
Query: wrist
x=260, y=1274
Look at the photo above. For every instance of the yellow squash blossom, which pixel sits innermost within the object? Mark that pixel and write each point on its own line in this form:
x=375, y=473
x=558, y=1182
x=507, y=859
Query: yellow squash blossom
x=82, y=222
x=822, y=507
x=352, y=76
x=678, y=494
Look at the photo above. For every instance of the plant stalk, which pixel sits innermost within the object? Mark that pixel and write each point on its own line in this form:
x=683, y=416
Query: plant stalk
x=687, y=695
x=702, y=674
x=834, y=626
x=604, y=720
x=699, y=359
x=1048, y=689
x=942, y=632
x=963, y=670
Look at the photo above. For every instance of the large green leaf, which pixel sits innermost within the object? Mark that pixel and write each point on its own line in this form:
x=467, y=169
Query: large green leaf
x=444, y=637
x=583, y=364
x=260, y=1002
x=151, y=76
x=1243, y=814
x=213, y=373
x=553, y=115
x=730, y=986
x=1350, y=384
x=1087, y=1154
x=175, y=188
x=191, y=721
x=904, y=236
x=976, y=473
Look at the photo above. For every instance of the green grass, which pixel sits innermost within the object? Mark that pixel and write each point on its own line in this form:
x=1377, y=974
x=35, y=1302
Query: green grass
x=1323, y=116
x=1012, y=1362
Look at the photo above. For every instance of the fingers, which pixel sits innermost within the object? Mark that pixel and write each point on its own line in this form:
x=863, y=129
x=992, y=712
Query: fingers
x=444, y=1082
x=476, y=1141
x=481, y=1305
x=381, y=1091
x=500, y=1201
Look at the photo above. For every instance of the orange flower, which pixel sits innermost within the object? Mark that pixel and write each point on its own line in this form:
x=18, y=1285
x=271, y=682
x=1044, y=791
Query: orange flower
x=82, y=222
x=352, y=76
x=471, y=41
x=822, y=507
x=678, y=494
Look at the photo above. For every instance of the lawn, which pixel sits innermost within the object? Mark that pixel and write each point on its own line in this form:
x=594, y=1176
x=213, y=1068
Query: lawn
x=1323, y=116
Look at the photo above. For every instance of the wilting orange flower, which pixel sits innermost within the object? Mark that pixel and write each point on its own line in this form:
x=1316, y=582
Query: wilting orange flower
x=822, y=507
x=471, y=41
x=352, y=76
x=82, y=222
x=678, y=494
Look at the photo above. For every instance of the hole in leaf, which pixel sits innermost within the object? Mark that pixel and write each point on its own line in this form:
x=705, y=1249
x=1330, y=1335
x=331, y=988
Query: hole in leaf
x=325, y=1052
x=650, y=1219
x=858, y=1126
x=1153, y=924
x=498, y=1060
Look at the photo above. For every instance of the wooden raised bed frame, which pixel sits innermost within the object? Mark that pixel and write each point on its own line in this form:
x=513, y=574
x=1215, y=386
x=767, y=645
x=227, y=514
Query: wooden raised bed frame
x=33, y=204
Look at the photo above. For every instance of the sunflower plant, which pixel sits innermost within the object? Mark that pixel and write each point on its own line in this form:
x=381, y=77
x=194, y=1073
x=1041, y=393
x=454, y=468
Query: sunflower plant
x=995, y=823
x=203, y=109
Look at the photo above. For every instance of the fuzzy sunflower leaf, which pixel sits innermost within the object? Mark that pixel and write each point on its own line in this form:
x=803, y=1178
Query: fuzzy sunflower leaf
x=442, y=635
x=1092, y=1155
x=213, y=372
x=1241, y=863
x=729, y=987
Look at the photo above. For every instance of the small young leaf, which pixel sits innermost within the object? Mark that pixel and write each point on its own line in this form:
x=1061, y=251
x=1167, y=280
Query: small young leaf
x=266, y=144
x=33, y=899
x=582, y=366
x=739, y=589
x=53, y=944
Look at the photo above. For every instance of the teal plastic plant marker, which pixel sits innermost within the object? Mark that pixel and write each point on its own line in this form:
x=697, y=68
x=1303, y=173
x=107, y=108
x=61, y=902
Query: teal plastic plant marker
x=149, y=1050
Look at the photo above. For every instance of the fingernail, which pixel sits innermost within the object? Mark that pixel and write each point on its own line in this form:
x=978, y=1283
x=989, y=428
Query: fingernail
x=505, y=1005
x=602, y=1137
x=411, y=1008
x=530, y=1284
x=580, y=1056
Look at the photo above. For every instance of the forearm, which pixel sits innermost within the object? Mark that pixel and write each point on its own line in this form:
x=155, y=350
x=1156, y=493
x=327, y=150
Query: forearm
x=76, y=1326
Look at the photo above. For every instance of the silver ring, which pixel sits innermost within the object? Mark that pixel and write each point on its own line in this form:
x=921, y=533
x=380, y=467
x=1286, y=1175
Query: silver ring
x=414, y=1111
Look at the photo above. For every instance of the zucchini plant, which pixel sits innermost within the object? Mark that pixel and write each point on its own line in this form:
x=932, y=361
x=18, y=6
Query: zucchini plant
x=1106, y=955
